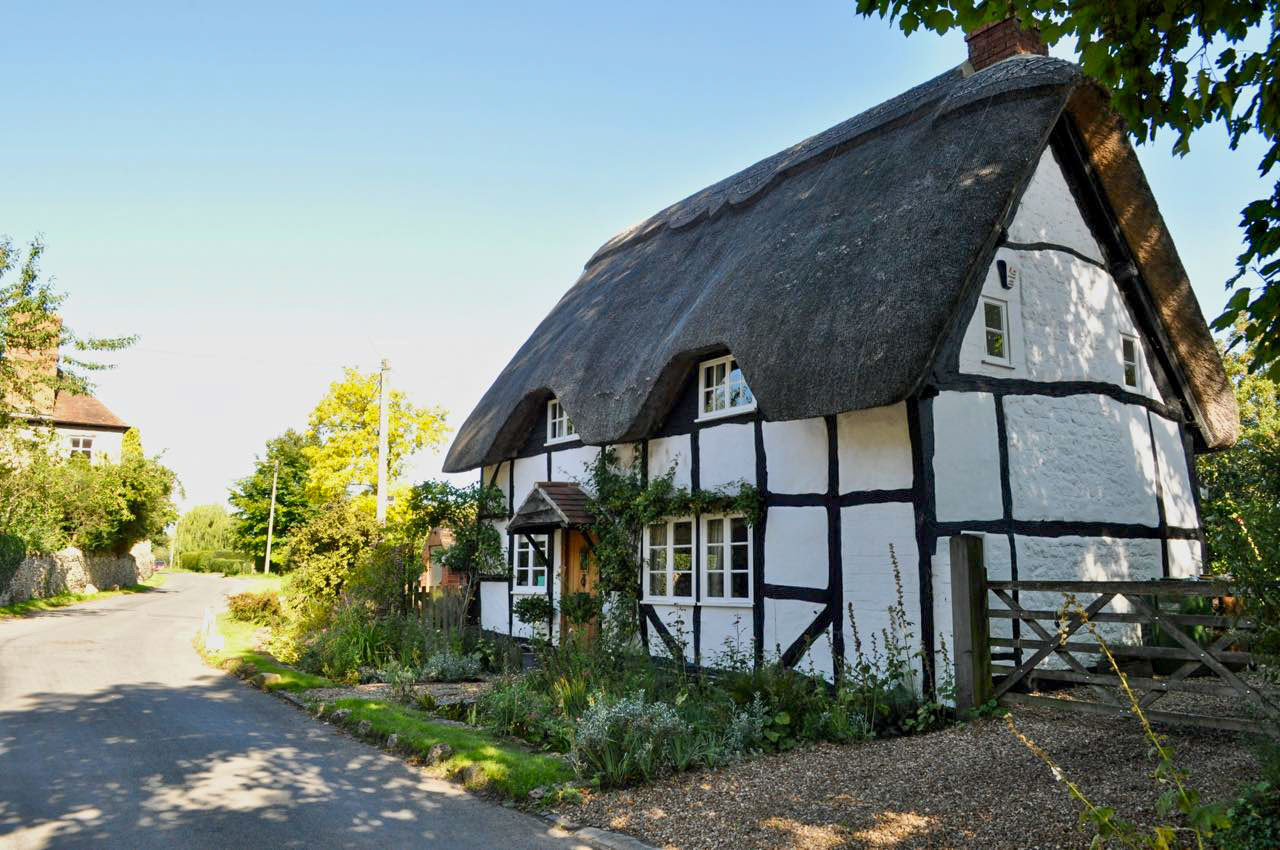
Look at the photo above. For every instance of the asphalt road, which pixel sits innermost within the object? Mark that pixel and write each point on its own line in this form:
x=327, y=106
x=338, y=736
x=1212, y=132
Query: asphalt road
x=113, y=733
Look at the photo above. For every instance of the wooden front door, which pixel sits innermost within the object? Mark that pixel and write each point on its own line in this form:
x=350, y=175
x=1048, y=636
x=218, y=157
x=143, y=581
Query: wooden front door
x=580, y=575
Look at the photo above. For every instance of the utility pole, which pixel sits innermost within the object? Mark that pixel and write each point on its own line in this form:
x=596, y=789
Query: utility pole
x=383, y=393
x=271, y=517
x=173, y=548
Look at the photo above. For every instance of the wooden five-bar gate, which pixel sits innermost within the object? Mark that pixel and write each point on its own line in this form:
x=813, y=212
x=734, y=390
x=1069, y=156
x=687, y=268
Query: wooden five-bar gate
x=1213, y=660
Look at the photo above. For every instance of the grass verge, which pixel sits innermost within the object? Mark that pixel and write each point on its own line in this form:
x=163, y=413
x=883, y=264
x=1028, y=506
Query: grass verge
x=239, y=656
x=501, y=767
x=62, y=600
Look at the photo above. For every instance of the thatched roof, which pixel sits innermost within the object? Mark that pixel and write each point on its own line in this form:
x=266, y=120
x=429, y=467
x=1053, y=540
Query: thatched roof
x=831, y=269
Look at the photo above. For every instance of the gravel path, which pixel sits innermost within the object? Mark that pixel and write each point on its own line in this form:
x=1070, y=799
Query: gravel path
x=973, y=786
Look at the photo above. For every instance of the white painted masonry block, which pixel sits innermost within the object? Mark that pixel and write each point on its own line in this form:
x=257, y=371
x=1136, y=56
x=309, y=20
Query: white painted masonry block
x=666, y=452
x=679, y=622
x=1185, y=559
x=499, y=480
x=865, y=536
x=727, y=454
x=572, y=464
x=528, y=471
x=784, y=621
x=795, y=547
x=874, y=447
x=1080, y=458
x=796, y=455
x=966, y=459
x=493, y=606
x=1048, y=212
x=727, y=631
x=1179, y=500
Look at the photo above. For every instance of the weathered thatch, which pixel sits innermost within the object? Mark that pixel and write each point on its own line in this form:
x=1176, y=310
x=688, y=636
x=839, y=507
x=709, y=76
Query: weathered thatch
x=830, y=270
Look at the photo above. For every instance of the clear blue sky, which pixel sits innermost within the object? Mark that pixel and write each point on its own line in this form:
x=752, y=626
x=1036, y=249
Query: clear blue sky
x=266, y=192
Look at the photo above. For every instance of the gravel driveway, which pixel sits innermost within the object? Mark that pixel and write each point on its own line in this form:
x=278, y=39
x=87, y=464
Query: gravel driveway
x=973, y=785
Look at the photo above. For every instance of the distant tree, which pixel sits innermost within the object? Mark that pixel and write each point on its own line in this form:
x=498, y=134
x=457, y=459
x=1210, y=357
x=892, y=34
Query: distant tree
x=343, y=449
x=1177, y=66
x=205, y=527
x=251, y=497
x=32, y=334
x=1242, y=501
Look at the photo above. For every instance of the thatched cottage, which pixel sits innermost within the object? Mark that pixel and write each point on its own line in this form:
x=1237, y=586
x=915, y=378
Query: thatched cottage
x=959, y=311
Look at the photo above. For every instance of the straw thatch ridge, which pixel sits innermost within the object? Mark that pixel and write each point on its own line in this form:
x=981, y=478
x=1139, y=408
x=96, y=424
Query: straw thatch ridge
x=830, y=270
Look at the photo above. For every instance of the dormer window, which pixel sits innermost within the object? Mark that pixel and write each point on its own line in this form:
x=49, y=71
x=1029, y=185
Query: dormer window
x=559, y=425
x=1132, y=365
x=722, y=389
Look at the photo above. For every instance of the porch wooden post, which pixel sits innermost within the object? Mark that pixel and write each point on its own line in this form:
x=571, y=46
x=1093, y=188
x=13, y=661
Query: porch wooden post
x=969, y=618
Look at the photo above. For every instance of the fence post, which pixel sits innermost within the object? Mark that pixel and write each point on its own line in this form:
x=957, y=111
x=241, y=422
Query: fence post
x=969, y=619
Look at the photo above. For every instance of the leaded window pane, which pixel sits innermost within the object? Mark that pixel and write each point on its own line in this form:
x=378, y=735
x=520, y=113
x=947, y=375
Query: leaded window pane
x=683, y=534
x=738, y=530
x=715, y=585
x=683, y=584
x=740, y=585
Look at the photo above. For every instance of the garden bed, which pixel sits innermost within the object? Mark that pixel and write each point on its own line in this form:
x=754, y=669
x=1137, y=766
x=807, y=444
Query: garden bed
x=443, y=693
x=972, y=785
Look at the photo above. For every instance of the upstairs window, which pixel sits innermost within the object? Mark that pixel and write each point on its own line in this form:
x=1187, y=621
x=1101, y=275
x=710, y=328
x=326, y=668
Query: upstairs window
x=1132, y=365
x=668, y=561
x=727, y=559
x=995, y=321
x=722, y=389
x=531, y=563
x=559, y=425
x=82, y=447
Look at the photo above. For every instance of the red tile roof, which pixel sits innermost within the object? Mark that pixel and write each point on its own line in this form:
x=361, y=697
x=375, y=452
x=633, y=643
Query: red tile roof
x=85, y=410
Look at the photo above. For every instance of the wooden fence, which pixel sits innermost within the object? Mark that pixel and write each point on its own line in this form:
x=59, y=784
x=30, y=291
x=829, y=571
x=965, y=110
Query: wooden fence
x=1005, y=668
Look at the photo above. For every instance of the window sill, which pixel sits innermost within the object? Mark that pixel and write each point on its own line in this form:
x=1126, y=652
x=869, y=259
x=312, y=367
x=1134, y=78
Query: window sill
x=526, y=590
x=572, y=438
x=727, y=603
x=999, y=364
x=726, y=413
x=677, y=601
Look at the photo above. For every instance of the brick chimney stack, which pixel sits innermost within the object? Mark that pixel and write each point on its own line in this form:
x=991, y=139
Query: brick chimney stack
x=991, y=43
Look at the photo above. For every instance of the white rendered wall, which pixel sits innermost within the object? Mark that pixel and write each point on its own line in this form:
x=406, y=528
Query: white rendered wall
x=1175, y=479
x=966, y=460
x=573, y=464
x=874, y=448
x=528, y=471
x=796, y=455
x=1066, y=315
x=727, y=631
x=666, y=452
x=1185, y=558
x=493, y=606
x=727, y=454
x=866, y=533
x=795, y=547
x=1080, y=458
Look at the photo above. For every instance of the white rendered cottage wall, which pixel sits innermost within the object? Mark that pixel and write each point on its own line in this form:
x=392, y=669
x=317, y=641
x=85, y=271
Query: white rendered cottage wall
x=1102, y=459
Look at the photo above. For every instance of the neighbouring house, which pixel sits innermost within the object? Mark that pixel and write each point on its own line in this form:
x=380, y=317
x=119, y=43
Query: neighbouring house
x=957, y=312
x=435, y=574
x=81, y=425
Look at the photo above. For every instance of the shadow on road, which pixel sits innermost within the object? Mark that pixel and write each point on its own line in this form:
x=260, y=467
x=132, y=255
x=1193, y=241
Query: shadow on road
x=212, y=764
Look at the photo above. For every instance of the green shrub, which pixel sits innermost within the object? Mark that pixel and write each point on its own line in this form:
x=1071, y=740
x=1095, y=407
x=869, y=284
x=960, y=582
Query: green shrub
x=619, y=741
x=1255, y=820
x=515, y=707
x=536, y=610
x=261, y=608
x=450, y=666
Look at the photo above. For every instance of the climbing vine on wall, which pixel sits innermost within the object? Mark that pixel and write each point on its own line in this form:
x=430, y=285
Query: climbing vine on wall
x=622, y=504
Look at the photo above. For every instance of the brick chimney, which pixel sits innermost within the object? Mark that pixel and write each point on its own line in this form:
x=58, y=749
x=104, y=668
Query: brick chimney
x=991, y=43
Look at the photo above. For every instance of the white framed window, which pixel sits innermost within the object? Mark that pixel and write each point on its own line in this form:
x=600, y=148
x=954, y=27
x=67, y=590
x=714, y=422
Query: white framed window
x=726, y=560
x=995, y=325
x=531, y=564
x=668, y=560
x=559, y=425
x=722, y=389
x=1132, y=362
x=81, y=446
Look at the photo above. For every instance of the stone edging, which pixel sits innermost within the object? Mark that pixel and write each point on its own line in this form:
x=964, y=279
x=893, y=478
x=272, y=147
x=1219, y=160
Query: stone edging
x=602, y=838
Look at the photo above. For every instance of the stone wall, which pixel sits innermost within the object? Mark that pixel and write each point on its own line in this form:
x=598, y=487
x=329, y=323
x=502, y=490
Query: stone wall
x=72, y=571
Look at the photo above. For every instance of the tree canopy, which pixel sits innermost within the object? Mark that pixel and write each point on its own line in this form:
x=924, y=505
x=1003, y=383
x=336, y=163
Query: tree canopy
x=32, y=335
x=1170, y=65
x=205, y=527
x=343, y=435
x=251, y=496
